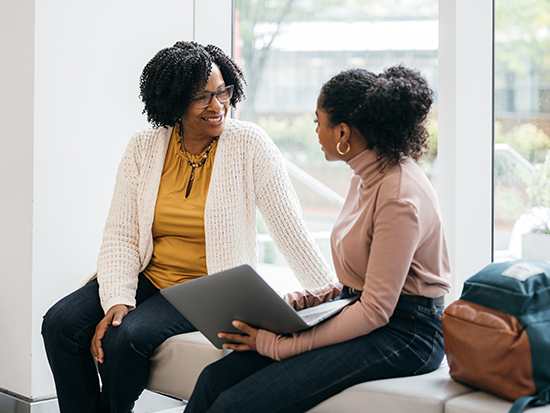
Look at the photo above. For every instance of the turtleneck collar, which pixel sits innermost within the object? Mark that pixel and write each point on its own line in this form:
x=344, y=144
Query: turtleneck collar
x=367, y=167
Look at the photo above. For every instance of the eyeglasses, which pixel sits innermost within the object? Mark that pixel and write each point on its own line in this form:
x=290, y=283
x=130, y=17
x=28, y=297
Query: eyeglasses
x=203, y=99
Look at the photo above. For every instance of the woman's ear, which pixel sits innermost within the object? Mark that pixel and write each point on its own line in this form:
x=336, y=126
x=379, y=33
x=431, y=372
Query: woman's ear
x=344, y=131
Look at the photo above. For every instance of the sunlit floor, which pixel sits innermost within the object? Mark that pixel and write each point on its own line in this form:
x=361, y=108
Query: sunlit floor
x=150, y=402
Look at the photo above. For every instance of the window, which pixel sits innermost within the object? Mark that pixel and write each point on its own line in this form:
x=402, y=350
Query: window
x=288, y=49
x=522, y=125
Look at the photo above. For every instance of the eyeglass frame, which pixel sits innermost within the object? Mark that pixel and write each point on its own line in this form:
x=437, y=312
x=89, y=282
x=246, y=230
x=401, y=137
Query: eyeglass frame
x=228, y=89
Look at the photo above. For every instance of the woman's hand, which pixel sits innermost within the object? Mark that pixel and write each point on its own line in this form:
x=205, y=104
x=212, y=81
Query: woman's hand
x=241, y=342
x=113, y=318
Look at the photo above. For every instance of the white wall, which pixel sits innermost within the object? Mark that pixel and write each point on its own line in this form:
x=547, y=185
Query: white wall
x=69, y=85
x=16, y=173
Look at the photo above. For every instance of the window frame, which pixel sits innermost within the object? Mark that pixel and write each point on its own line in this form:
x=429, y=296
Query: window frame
x=466, y=129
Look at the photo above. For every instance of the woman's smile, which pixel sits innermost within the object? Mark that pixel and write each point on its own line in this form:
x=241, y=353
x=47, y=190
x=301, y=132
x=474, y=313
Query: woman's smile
x=214, y=120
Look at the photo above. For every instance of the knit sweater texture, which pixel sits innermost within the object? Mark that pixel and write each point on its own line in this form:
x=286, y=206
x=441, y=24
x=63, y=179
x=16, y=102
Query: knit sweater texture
x=248, y=174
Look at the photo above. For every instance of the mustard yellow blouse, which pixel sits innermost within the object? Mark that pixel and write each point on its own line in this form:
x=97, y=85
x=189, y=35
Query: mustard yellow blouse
x=179, y=251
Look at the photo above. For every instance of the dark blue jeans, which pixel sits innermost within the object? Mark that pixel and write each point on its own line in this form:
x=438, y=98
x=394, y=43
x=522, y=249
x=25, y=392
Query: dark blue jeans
x=68, y=328
x=410, y=344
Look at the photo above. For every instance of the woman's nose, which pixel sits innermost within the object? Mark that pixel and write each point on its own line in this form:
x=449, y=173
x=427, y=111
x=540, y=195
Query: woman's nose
x=215, y=104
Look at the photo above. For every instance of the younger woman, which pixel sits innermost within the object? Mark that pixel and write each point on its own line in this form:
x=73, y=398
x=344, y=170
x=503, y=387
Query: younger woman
x=388, y=247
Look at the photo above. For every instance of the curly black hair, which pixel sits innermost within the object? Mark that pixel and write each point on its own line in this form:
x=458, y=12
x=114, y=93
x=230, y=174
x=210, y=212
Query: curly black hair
x=389, y=110
x=175, y=74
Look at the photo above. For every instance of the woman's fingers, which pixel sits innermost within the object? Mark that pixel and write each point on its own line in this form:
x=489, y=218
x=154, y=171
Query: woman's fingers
x=113, y=317
x=241, y=342
x=251, y=331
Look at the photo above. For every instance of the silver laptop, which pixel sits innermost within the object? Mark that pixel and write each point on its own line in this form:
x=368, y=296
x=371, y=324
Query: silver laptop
x=212, y=302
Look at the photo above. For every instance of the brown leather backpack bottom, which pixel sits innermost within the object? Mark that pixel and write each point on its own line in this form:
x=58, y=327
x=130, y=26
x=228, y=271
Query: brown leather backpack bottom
x=488, y=349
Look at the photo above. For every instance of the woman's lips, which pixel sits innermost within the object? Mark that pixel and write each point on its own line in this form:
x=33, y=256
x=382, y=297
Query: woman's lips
x=214, y=120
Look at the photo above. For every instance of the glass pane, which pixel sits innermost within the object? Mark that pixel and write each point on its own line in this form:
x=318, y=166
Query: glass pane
x=289, y=48
x=522, y=126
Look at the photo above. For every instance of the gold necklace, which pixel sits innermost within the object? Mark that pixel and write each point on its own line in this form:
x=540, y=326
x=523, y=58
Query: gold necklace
x=203, y=160
x=193, y=164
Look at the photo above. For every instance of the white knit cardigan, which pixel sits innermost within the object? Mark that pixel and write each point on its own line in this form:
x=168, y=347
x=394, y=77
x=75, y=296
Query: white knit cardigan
x=248, y=173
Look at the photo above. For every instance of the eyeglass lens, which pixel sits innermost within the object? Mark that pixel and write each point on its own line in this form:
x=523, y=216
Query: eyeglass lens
x=203, y=99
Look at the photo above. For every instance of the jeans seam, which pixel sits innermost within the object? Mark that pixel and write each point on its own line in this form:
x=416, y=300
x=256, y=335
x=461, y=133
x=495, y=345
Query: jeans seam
x=82, y=379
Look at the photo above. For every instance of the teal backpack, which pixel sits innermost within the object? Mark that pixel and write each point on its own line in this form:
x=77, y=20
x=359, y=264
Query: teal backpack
x=497, y=335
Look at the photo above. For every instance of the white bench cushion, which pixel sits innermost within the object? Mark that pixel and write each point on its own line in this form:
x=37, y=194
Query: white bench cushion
x=178, y=362
x=426, y=393
x=481, y=402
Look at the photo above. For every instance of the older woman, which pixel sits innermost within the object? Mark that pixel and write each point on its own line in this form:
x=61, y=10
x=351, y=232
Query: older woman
x=184, y=206
x=388, y=248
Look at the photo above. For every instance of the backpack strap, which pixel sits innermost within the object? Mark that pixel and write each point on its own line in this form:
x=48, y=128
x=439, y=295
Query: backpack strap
x=541, y=399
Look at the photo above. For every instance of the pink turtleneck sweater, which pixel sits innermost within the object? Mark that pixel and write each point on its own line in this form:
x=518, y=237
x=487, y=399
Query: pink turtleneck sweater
x=387, y=241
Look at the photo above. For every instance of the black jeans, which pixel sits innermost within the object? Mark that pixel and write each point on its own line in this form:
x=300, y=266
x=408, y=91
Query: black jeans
x=410, y=344
x=68, y=328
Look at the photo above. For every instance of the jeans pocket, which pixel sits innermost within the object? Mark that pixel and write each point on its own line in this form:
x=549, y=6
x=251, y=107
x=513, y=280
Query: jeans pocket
x=403, y=315
x=406, y=311
x=433, y=361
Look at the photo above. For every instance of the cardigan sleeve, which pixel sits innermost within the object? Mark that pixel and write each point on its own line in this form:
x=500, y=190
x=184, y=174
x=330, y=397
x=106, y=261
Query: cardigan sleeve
x=311, y=298
x=279, y=205
x=118, y=261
